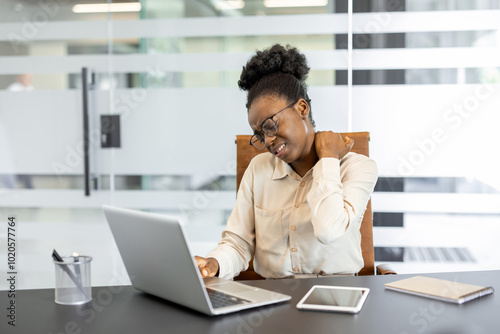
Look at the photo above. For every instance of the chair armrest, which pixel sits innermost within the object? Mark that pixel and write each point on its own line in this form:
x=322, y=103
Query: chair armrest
x=248, y=274
x=385, y=269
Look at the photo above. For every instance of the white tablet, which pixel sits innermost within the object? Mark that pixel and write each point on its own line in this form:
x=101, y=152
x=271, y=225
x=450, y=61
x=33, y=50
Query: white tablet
x=334, y=298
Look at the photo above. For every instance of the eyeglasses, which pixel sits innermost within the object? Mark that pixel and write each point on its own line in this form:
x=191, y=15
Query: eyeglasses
x=269, y=127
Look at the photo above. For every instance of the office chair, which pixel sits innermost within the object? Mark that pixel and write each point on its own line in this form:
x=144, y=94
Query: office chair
x=244, y=154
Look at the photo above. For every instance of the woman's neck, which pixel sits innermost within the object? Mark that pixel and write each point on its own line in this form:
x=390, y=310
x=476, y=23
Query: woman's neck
x=308, y=159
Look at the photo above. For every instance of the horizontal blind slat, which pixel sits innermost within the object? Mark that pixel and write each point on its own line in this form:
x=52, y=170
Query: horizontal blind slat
x=380, y=22
x=369, y=59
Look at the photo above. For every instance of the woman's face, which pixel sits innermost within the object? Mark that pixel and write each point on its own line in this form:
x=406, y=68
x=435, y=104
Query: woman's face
x=295, y=135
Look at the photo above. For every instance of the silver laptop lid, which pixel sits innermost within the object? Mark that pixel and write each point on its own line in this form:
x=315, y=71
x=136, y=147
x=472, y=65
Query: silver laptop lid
x=142, y=238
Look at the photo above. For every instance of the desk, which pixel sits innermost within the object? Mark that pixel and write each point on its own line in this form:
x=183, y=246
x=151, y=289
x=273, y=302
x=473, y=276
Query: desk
x=122, y=309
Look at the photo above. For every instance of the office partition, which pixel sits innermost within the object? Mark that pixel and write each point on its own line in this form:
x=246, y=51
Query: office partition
x=422, y=79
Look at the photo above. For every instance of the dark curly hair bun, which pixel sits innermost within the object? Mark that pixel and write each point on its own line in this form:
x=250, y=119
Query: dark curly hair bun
x=269, y=61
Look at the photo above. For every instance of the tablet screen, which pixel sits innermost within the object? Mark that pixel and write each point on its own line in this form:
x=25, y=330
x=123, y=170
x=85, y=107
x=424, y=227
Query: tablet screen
x=335, y=297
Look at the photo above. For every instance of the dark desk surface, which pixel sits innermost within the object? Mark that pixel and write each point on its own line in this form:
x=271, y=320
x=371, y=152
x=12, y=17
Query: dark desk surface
x=126, y=310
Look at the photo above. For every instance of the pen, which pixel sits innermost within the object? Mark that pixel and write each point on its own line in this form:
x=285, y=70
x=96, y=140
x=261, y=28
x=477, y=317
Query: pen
x=58, y=258
x=77, y=267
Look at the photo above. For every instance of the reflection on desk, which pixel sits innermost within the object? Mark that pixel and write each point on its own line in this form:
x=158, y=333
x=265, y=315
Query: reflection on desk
x=122, y=309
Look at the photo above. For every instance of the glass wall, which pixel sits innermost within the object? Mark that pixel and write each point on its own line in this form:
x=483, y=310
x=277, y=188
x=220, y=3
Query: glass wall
x=422, y=77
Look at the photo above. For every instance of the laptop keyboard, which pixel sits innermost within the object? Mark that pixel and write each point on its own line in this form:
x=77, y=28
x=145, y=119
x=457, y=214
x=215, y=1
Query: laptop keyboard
x=221, y=299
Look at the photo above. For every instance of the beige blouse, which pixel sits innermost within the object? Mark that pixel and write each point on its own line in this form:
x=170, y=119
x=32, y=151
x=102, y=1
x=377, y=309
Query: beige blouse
x=295, y=225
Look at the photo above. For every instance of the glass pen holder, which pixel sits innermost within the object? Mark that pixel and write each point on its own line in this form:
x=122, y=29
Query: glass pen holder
x=73, y=285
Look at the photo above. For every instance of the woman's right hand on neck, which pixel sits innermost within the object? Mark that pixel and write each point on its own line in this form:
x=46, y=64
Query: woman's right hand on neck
x=330, y=144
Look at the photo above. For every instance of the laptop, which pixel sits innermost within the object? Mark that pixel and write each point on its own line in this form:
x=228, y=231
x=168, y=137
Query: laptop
x=158, y=260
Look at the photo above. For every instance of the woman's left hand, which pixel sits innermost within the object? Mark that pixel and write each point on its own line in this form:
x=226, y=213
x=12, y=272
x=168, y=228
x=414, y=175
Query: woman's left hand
x=330, y=144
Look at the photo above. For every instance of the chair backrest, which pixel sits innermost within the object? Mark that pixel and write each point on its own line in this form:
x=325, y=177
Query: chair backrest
x=244, y=154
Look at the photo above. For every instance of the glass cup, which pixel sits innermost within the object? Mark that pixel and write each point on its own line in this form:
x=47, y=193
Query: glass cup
x=73, y=280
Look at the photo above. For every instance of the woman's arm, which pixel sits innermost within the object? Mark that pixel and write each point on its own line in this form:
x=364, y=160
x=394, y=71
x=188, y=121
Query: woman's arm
x=340, y=192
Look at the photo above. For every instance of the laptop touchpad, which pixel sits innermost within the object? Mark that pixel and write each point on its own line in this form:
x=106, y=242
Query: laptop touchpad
x=231, y=287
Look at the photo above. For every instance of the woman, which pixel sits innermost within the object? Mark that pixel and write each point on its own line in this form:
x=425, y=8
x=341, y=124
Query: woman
x=299, y=207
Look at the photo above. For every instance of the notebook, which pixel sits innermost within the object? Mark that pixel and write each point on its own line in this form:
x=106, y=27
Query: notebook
x=444, y=290
x=158, y=260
